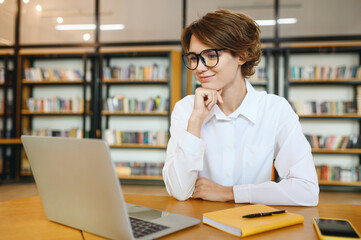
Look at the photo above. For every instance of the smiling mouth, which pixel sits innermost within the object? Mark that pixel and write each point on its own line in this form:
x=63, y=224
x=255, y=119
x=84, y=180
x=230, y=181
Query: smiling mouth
x=205, y=78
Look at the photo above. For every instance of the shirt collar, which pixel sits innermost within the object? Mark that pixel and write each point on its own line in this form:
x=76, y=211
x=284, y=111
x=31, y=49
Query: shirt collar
x=247, y=109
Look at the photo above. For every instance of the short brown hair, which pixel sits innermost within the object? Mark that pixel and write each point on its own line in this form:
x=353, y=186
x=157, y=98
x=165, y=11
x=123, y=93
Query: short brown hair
x=224, y=29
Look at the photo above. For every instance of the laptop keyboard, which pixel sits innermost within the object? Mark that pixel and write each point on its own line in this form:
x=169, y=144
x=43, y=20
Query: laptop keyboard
x=142, y=228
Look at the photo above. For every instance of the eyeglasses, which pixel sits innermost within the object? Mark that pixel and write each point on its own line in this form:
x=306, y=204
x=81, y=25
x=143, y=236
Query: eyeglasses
x=209, y=58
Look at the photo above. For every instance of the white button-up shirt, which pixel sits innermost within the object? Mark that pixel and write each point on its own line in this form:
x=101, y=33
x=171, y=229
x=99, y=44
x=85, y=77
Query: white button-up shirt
x=239, y=150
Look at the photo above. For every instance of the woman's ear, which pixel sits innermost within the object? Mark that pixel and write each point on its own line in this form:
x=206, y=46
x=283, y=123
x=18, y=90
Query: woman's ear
x=241, y=61
x=241, y=58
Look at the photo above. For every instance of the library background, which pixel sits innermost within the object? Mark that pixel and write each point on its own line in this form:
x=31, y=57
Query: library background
x=112, y=69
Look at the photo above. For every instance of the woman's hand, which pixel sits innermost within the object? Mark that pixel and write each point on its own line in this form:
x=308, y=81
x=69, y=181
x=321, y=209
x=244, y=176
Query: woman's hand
x=211, y=191
x=204, y=100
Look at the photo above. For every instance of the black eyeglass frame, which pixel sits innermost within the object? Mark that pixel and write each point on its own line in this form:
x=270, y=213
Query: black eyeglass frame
x=199, y=56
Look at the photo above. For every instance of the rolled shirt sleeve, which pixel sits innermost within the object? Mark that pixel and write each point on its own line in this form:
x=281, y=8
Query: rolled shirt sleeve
x=184, y=157
x=294, y=163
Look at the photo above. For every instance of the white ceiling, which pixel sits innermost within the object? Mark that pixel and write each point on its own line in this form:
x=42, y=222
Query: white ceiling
x=161, y=20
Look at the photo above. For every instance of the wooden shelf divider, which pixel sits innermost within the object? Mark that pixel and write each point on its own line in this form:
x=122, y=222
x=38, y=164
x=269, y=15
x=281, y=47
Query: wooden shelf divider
x=10, y=141
x=339, y=183
x=29, y=81
x=326, y=115
x=136, y=145
x=140, y=177
x=27, y=112
x=135, y=81
x=346, y=151
x=337, y=80
x=104, y=112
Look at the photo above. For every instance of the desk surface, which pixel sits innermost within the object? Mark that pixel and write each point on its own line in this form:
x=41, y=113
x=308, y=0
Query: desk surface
x=25, y=219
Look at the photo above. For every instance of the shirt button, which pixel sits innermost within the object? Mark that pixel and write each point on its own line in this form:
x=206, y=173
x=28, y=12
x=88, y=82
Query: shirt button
x=228, y=174
x=229, y=146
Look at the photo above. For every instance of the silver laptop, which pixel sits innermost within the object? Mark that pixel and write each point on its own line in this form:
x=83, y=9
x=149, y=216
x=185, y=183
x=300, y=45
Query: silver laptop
x=78, y=187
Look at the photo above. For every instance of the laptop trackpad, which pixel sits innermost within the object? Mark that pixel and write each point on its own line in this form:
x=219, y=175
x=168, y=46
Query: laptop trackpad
x=143, y=212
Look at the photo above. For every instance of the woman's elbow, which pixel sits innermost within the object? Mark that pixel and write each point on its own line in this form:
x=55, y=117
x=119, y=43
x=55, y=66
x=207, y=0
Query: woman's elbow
x=180, y=197
x=315, y=195
x=312, y=195
x=177, y=193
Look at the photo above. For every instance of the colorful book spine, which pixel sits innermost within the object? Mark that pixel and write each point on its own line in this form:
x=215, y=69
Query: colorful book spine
x=316, y=72
x=154, y=138
x=2, y=75
x=325, y=107
x=260, y=74
x=47, y=74
x=55, y=104
x=334, y=142
x=337, y=173
x=139, y=168
x=122, y=104
x=69, y=133
x=132, y=72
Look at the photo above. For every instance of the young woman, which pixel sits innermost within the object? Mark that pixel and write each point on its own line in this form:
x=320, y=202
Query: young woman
x=226, y=137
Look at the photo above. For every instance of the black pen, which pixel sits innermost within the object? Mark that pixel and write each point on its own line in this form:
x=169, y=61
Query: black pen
x=263, y=214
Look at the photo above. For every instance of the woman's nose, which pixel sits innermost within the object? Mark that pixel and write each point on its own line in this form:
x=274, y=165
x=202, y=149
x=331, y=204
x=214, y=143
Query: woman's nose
x=201, y=67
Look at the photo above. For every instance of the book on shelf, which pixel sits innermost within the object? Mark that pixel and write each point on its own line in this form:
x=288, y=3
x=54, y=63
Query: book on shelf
x=324, y=107
x=132, y=72
x=69, y=133
x=154, y=138
x=2, y=105
x=5, y=134
x=139, y=168
x=55, y=104
x=2, y=75
x=337, y=173
x=129, y=105
x=259, y=75
x=358, y=99
x=1, y=161
x=315, y=72
x=42, y=74
x=334, y=142
x=6, y=74
x=231, y=221
x=25, y=166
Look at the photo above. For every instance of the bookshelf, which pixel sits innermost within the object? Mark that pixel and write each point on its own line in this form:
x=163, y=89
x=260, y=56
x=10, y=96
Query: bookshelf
x=322, y=82
x=9, y=144
x=261, y=80
x=138, y=92
x=56, y=91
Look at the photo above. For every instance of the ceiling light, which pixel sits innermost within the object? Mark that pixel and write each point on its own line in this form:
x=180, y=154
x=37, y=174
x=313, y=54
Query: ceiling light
x=266, y=22
x=25, y=1
x=75, y=27
x=272, y=22
x=89, y=27
x=107, y=27
x=5, y=41
x=60, y=20
x=2, y=1
x=38, y=8
x=86, y=36
x=287, y=21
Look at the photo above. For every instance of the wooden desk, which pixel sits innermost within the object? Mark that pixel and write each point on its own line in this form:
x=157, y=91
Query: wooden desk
x=25, y=219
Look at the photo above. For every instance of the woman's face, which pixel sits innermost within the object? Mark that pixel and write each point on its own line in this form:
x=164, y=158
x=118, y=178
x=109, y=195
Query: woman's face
x=221, y=76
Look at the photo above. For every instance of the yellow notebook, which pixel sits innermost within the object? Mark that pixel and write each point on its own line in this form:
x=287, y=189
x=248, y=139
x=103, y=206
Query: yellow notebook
x=231, y=220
